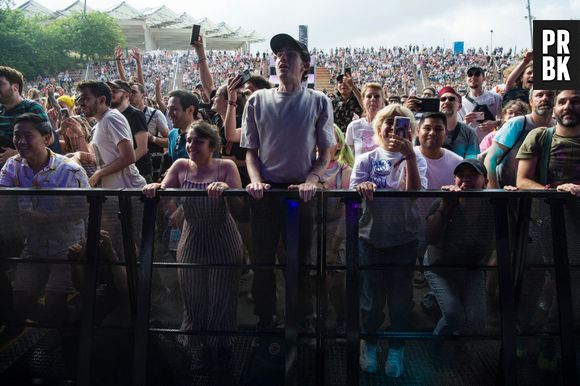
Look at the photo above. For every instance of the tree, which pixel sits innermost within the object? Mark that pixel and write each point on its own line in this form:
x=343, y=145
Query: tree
x=92, y=36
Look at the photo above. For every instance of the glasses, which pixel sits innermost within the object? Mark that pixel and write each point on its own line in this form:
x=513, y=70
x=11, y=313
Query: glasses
x=445, y=99
x=473, y=73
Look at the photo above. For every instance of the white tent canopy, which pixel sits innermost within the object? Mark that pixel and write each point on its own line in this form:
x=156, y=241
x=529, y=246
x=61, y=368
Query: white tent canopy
x=159, y=27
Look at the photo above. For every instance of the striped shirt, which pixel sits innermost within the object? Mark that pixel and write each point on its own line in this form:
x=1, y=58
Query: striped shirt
x=7, y=117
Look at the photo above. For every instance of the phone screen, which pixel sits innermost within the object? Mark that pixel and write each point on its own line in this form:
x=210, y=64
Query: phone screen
x=245, y=75
x=194, y=33
x=401, y=126
x=64, y=113
x=348, y=71
x=429, y=105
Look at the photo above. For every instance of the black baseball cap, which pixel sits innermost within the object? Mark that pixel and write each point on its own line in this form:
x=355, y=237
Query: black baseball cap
x=284, y=40
x=476, y=164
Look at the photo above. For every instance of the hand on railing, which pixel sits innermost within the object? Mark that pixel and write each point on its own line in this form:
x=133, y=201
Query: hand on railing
x=306, y=190
x=366, y=190
x=574, y=189
x=256, y=189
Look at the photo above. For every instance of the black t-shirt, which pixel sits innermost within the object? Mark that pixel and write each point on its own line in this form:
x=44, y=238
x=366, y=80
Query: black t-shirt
x=137, y=122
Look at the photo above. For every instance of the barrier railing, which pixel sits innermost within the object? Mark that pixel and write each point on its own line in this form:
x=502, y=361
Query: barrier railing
x=511, y=221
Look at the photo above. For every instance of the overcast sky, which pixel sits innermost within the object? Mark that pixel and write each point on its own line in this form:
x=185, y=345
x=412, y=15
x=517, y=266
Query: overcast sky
x=358, y=23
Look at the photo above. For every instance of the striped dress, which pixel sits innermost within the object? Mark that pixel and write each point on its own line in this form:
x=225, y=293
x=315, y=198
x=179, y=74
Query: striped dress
x=210, y=296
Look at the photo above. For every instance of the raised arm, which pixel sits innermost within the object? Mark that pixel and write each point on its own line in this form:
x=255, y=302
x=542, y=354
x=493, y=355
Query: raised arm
x=136, y=54
x=204, y=73
x=159, y=96
x=518, y=70
x=233, y=133
x=119, y=62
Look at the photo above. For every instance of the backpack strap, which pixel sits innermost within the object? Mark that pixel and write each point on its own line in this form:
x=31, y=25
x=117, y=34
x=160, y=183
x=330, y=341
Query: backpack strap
x=545, y=155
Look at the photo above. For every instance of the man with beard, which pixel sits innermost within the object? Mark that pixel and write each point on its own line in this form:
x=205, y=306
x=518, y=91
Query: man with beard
x=183, y=108
x=121, y=91
x=461, y=139
x=12, y=104
x=501, y=162
x=112, y=140
x=477, y=100
x=563, y=172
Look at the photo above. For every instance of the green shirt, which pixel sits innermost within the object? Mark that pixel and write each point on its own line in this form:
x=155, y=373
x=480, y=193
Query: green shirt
x=7, y=116
x=564, y=164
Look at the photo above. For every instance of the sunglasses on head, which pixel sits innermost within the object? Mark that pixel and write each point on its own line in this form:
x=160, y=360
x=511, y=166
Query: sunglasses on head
x=473, y=73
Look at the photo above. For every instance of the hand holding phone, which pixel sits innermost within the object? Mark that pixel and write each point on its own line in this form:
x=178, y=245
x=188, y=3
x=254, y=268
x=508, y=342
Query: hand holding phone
x=64, y=114
x=194, y=34
x=401, y=127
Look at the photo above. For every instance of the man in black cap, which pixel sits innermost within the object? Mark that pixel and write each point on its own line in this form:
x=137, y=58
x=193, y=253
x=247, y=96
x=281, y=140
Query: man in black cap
x=121, y=91
x=480, y=109
x=288, y=132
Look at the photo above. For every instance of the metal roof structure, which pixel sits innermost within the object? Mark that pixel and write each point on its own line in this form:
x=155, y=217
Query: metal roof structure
x=159, y=27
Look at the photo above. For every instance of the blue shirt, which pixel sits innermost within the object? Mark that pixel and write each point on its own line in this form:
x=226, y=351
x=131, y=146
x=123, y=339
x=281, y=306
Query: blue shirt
x=176, y=145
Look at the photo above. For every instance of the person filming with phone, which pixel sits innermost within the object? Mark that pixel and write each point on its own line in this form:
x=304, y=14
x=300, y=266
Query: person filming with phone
x=388, y=231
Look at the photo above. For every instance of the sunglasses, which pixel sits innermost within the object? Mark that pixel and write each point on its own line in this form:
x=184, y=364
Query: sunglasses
x=473, y=73
x=450, y=99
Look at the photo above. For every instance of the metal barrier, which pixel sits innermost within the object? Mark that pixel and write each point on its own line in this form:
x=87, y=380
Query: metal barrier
x=510, y=244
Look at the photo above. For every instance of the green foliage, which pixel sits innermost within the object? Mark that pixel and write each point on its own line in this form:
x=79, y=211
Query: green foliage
x=35, y=46
x=93, y=36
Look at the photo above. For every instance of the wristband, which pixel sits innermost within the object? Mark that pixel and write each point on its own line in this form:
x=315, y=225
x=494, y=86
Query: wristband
x=232, y=104
x=201, y=60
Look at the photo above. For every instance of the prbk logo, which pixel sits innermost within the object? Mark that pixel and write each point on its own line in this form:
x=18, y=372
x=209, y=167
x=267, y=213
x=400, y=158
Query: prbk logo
x=557, y=54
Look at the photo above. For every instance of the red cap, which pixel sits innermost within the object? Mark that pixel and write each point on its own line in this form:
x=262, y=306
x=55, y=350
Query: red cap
x=447, y=89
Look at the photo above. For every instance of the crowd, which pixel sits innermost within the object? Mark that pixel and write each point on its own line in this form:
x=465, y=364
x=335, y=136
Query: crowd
x=124, y=130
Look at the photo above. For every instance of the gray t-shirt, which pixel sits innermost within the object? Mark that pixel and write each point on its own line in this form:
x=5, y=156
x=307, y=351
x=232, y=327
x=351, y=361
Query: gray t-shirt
x=462, y=142
x=286, y=128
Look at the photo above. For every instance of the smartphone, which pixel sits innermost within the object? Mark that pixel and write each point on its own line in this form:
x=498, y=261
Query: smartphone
x=194, y=33
x=479, y=116
x=429, y=105
x=245, y=76
x=348, y=71
x=401, y=126
x=64, y=113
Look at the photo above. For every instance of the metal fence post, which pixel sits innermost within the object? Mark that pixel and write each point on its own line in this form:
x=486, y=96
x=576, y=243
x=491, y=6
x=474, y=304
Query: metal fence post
x=88, y=294
x=128, y=248
x=352, y=294
x=563, y=288
x=507, y=294
x=292, y=282
x=143, y=299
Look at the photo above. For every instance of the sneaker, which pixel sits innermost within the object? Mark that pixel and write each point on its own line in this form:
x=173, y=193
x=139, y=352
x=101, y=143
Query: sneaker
x=368, y=357
x=394, y=364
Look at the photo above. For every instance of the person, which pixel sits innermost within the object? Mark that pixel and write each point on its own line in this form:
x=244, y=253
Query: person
x=112, y=142
x=429, y=92
x=460, y=232
x=228, y=103
x=522, y=75
x=156, y=127
x=388, y=231
x=182, y=108
x=209, y=236
x=288, y=134
x=478, y=100
x=440, y=165
x=51, y=224
x=549, y=158
x=12, y=104
x=461, y=139
x=512, y=109
x=501, y=161
x=121, y=90
x=348, y=103
x=337, y=176
x=360, y=132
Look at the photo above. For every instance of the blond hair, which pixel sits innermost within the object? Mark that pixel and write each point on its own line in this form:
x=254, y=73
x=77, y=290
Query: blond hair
x=391, y=111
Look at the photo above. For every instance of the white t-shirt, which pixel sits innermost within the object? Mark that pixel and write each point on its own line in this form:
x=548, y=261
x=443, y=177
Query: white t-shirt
x=156, y=122
x=108, y=133
x=386, y=221
x=493, y=102
x=439, y=173
x=359, y=134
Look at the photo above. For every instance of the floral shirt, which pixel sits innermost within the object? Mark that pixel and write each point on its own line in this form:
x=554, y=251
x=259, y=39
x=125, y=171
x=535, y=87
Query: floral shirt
x=345, y=110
